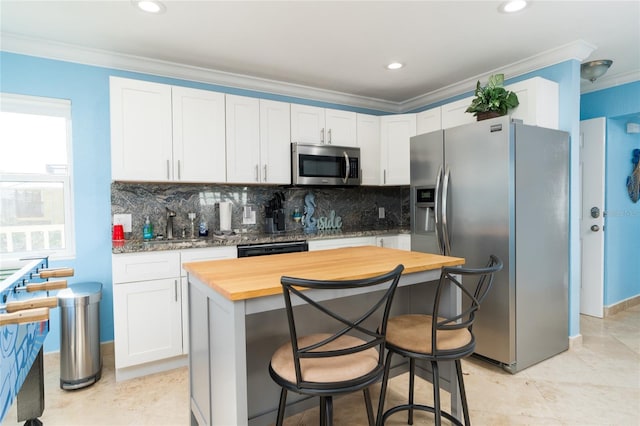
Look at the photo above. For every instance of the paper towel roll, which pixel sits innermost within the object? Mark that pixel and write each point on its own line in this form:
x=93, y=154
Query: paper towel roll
x=225, y=216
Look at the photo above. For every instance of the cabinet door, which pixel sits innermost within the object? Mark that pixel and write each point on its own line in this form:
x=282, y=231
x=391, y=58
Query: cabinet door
x=429, y=120
x=243, y=139
x=307, y=124
x=198, y=135
x=340, y=127
x=395, y=131
x=147, y=321
x=275, y=142
x=401, y=241
x=341, y=242
x=130, y=267
x=538, y=98
x=368, y=132
x=453, y=114
x=141, y=146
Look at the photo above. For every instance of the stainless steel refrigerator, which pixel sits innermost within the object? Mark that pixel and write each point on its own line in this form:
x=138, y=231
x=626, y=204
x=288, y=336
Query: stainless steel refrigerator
x=501, y=187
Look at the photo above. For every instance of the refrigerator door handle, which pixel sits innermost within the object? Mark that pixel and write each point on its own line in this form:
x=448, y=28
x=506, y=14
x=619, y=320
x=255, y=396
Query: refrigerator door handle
x=445, y=195
x=437, y=211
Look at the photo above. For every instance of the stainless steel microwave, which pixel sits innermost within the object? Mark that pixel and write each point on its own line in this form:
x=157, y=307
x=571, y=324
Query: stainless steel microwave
x=323, y=164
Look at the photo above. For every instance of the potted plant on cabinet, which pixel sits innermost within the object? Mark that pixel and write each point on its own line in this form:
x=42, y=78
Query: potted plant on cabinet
x=492, y=100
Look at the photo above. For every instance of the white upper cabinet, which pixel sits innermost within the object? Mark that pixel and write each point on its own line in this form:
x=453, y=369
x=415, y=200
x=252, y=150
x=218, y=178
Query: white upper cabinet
x=395, y=132
x=275, y=142
x=243, y=139
x=429, y=120
x=258, y=141
x=165, y=133
x=453, y=114
x=320, y=125
x=198, y=135
x=539, y=102
x=368, y=130
x=141, y=142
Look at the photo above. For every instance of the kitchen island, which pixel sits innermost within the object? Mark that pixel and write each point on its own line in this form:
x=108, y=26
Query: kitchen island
x=237, y=320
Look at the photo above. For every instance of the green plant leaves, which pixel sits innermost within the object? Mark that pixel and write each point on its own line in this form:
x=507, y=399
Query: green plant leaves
x=493, y=97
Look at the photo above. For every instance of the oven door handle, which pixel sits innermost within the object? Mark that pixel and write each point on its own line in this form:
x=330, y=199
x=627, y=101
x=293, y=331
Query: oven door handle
x=347, y=168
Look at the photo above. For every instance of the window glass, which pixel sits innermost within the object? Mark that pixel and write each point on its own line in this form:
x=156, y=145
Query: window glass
x=35, y=177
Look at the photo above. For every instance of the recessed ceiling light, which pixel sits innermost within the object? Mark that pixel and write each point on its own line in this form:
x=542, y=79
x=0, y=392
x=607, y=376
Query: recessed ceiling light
x=395, y=66
x=512, y=6
x=150, y=6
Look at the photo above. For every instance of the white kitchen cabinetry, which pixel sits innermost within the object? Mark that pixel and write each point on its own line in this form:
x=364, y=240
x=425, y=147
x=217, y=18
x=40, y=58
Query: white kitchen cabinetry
x=341, y=242
x=258, y=141
x=147, y=307
x=150, y=308
x=539, y=102
x=395, y=132
x=275, y=142
x=397, y=241
x=166, y=133
x=453, y=113
x=429, y=120
x=141, y=141
x=198, y=135
x=368, y=131
x=321, y=125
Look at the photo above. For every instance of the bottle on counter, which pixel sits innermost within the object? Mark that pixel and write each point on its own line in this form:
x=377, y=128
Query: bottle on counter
x=147, y=229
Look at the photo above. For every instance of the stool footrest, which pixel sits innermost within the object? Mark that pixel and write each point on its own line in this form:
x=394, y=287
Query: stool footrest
x=427, y=408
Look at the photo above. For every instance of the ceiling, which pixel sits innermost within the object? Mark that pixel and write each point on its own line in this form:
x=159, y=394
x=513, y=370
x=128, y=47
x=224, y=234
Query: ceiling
x=339, y=46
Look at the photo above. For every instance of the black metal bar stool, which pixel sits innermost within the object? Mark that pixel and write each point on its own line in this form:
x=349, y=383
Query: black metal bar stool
x=448, y=338
x=347, y=357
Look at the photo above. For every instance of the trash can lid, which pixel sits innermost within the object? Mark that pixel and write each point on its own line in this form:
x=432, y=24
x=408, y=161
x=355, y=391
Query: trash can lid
x=80, y=294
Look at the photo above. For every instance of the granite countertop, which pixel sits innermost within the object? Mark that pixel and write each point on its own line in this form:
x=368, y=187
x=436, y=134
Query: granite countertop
x=139, y=245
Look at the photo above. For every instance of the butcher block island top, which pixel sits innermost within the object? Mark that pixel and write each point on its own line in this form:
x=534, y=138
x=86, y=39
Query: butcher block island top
x=251, y=277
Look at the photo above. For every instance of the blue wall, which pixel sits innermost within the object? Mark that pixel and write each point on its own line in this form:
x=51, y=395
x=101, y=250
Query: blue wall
x=622, y=222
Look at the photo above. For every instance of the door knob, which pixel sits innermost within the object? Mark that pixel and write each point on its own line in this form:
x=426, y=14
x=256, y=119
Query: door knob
x=595, y=228
x=595, y=212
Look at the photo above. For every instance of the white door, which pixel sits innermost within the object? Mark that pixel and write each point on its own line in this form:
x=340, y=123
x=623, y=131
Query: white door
x=307, y=124
x=592, y=168
x=243, y=139
x=341, y=127
x=395, y=132
x=368, y=136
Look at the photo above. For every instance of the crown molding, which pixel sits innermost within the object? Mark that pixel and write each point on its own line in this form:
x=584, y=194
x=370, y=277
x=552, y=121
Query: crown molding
x=71, y=53
x=608, y=81
x=577, y=50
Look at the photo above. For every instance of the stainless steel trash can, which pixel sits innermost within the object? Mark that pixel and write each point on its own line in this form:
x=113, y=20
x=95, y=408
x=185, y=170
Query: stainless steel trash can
x=80, y=357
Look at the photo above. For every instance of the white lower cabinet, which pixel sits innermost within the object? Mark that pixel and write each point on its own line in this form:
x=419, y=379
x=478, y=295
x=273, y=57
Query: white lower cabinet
x=147, y=320
x=150, y=308
x=399, y=241
x=341, y=242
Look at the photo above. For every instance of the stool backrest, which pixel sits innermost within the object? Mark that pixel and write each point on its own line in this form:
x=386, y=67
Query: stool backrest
x=366, y=321
x=477, y=283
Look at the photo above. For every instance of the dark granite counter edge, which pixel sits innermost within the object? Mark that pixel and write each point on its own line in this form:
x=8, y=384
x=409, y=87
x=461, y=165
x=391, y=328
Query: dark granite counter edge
x=137, y=246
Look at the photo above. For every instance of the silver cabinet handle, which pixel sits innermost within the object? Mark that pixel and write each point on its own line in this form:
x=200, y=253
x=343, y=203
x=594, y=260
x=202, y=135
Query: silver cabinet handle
x=381, y=242
x=445, y=195
x=257, y=174
x=168, y=176
x=384, y=176
x=179, y=174
x=265, y=173
x=329, y=132
x=175, y=290
x=322, y=135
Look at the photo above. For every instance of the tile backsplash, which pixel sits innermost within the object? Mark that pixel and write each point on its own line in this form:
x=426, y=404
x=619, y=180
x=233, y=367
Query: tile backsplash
x=357, y=206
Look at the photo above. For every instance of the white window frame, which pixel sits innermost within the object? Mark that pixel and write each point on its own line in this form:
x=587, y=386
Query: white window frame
x=52, y=107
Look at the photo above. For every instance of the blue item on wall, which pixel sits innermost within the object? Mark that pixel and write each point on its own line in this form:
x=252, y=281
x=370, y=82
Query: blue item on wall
x=633, y=181
x=309, y=222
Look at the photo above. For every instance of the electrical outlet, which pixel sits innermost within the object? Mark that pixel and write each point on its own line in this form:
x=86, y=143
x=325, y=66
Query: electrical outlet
x=124, y=220
x=380, y=212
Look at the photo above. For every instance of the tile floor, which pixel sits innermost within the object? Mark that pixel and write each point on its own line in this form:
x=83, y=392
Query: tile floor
x=597, y=383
